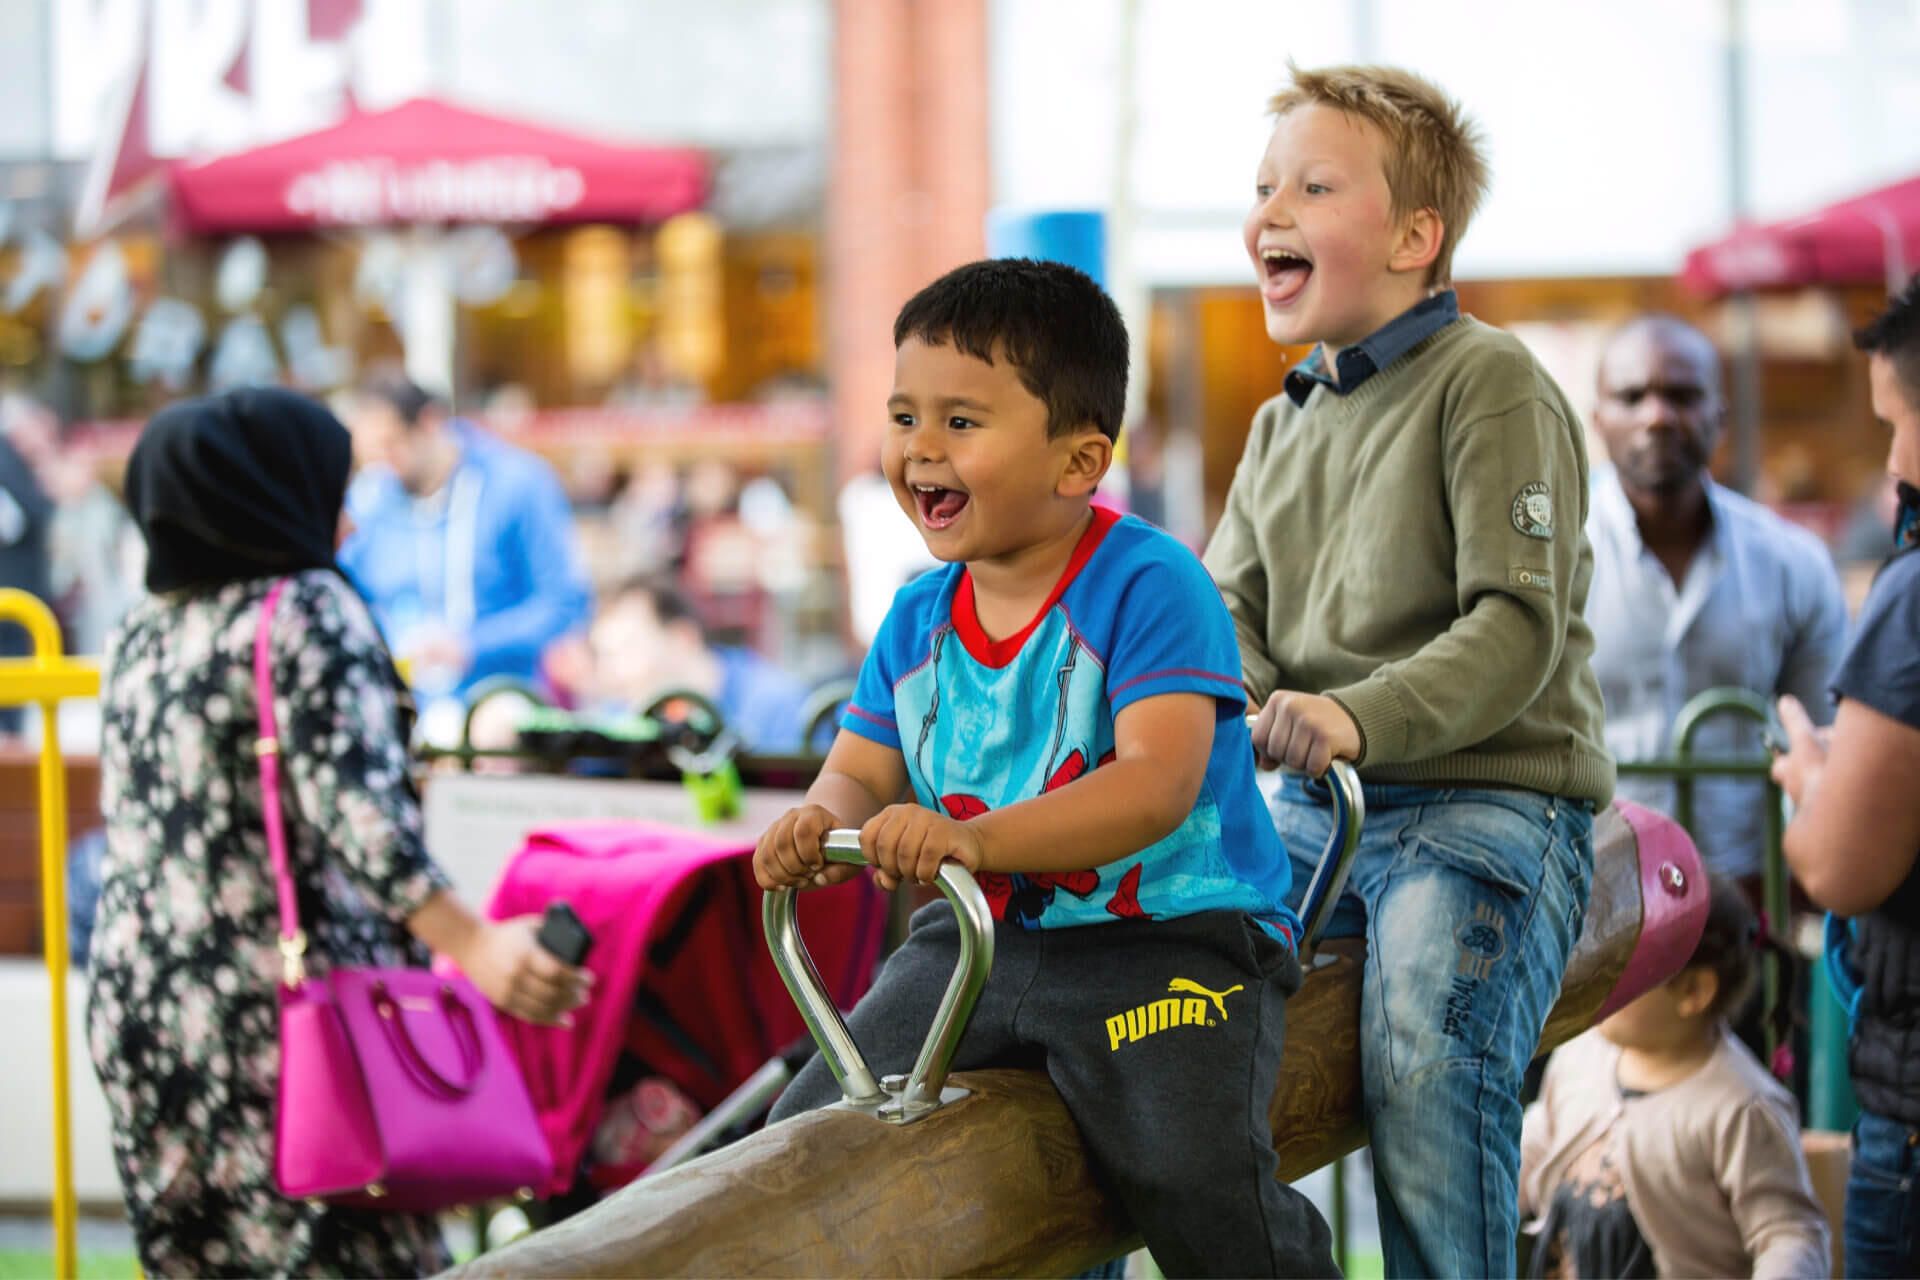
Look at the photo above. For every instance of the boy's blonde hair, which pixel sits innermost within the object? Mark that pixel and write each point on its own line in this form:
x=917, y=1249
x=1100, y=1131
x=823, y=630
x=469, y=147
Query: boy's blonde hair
x=1435, y=158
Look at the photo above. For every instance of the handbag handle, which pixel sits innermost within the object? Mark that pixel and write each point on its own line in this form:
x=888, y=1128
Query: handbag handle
x=393, y=1021
x=293, y=940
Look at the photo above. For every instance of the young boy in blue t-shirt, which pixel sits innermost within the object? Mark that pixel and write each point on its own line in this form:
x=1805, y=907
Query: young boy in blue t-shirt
x=1059, y=711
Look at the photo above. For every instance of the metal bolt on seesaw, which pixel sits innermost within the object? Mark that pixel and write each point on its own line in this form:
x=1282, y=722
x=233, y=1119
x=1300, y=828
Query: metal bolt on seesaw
x=904, y=1099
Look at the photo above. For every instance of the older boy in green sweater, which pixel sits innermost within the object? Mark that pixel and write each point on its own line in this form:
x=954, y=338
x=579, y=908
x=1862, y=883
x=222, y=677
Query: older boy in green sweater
x=1403, y=555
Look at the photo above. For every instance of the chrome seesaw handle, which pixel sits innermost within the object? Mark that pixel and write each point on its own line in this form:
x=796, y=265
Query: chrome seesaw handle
x=892, y=1099
x=1336, y=859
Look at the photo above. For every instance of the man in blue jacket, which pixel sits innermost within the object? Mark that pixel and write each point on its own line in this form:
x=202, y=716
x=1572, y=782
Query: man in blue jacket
x=464, y=545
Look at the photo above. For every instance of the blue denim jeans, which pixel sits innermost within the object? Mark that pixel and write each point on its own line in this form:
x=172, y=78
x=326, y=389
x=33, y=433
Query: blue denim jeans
x=1883, y=1198
x=1470, y=900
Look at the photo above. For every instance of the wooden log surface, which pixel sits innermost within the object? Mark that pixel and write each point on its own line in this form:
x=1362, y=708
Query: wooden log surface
x=996, y=1184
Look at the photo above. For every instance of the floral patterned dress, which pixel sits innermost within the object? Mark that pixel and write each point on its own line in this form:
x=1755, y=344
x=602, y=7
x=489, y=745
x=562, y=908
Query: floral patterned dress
x=183, y=1014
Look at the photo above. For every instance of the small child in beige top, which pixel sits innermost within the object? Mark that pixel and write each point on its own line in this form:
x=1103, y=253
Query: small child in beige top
x=1661, y=1146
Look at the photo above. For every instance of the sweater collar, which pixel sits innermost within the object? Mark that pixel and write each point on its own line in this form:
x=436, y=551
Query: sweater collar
x=1375, y=352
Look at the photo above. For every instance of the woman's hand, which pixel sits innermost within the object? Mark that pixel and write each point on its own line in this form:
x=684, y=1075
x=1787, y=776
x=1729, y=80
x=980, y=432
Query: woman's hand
x=1798, y=768
x=909, y=842
x=520, y=977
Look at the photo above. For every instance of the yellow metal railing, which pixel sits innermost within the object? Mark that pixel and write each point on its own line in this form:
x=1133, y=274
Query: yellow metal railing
x=46, y=680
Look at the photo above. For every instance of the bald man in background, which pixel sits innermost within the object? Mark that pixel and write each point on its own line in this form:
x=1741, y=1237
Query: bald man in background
x=1695, y=586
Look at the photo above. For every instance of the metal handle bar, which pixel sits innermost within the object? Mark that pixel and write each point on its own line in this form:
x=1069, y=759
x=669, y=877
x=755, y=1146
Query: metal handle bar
x=1336, y=859
x=925, y=1088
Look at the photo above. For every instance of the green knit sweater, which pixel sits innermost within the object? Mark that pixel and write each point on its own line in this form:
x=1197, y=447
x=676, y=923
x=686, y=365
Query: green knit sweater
x=1416, y=550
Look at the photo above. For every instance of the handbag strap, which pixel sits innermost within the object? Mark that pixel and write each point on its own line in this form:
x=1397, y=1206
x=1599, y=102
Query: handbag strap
x=393, y=1021
x=293, y=940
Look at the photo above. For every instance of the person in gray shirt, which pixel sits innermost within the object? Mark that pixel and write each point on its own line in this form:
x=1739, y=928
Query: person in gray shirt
x=1695, y=586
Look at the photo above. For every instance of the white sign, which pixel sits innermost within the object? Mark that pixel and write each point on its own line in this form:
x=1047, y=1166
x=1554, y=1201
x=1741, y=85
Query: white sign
x=140, y=82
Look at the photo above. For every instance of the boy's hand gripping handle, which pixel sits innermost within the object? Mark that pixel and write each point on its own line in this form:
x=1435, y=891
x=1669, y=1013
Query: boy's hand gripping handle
x=1336, y=860
x=892, y=1098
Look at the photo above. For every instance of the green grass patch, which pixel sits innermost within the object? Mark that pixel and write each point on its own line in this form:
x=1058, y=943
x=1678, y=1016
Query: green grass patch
x=1364, y=1264
x=34, y=1264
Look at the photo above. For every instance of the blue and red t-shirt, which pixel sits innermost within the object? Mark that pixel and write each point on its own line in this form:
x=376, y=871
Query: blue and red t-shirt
x=987, y=723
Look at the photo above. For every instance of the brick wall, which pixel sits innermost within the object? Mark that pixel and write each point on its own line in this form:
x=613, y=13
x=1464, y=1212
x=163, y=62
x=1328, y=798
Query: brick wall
x=908, y=187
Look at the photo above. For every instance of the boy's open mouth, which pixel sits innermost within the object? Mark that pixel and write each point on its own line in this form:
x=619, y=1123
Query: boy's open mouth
x=939, y=507
x=1285, y=274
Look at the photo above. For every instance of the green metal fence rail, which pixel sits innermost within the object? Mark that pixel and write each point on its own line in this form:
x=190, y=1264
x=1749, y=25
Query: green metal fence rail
x=1774, y=895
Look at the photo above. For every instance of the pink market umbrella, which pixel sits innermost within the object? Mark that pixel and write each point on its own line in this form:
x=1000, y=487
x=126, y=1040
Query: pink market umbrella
x=428, y=162
x=1871, y=237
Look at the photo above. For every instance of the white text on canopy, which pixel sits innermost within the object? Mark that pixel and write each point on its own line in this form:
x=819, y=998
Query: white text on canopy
x=495, y=189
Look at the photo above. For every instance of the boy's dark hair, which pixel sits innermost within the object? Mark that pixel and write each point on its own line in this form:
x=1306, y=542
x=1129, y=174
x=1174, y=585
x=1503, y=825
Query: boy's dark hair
x=1059, y=330
x=670, y=604
x=1895, y=334
x=390, y=385
x=1731, y=944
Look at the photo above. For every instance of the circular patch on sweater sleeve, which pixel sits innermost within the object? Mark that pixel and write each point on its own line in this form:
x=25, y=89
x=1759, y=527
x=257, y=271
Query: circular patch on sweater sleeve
x=1533, y=511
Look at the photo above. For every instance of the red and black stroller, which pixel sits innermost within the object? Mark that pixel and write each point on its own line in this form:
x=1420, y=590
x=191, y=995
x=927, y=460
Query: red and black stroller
x=687, y=1006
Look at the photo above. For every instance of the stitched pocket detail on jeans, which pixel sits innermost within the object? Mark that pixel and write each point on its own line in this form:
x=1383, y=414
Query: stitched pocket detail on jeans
x=1491, y=843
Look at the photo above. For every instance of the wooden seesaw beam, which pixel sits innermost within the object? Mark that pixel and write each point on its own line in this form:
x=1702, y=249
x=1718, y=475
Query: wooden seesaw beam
x=997, y=1183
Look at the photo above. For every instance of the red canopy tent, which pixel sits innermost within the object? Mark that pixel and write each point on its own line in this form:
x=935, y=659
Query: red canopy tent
x=1871, y=237
x=426, y=162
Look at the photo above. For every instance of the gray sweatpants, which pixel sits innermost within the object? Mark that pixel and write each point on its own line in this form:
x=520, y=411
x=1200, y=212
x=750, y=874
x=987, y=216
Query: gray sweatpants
x=1163, y=1039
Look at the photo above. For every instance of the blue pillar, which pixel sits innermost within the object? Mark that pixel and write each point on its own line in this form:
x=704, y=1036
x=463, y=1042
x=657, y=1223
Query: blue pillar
x=1077, y=237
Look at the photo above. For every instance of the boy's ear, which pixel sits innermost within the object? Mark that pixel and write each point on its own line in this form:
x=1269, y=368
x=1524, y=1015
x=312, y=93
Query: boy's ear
x=1088, y=455
x=1419, y=242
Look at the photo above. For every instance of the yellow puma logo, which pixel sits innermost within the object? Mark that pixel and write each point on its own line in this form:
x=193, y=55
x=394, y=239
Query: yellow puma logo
x=1160, y=1015
x=1219, y=998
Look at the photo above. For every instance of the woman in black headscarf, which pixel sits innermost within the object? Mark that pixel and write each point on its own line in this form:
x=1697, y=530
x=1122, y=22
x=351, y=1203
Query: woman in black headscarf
x=233, y=493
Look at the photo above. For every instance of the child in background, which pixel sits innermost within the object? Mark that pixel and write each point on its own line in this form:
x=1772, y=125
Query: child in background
x=647, y=639
x=1661, y=1146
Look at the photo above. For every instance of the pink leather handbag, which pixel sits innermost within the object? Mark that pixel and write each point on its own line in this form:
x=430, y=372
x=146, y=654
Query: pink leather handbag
x=397, y=1090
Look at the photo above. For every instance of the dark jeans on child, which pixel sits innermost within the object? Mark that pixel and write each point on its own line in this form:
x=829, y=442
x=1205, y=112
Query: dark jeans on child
x=1883, y=1198
x=1163, y=1039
